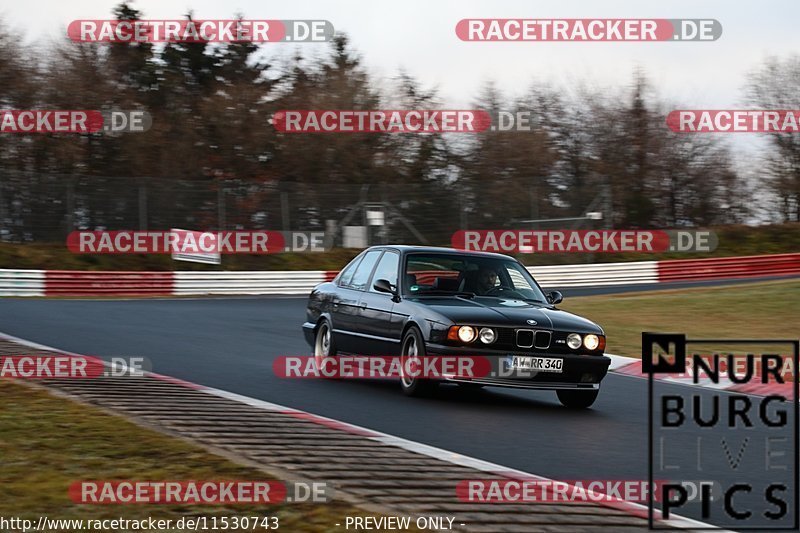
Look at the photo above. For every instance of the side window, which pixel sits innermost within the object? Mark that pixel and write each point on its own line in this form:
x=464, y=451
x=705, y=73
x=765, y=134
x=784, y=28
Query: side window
x=347, y=273
x=387, y=269
x=518, y=280
x=361, y=276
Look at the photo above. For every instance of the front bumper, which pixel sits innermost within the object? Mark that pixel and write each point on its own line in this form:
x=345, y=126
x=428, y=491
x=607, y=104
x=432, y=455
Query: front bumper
x=578, y=372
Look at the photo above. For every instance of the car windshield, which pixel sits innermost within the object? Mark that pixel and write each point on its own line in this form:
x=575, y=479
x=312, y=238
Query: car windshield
x=456, y=274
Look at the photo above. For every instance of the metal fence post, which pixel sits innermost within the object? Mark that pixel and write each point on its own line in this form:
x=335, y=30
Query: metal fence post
x=69, y=216
x=462, y=210
x=285, y=219
x=143, y=206
x=221, y=207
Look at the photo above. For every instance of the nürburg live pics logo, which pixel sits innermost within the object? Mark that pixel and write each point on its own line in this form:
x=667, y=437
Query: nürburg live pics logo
x=723, y=423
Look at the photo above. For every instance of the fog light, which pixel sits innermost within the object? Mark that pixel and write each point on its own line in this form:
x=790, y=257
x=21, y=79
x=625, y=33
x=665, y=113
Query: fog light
x=574, y=341
x=487, y=335
x=591, y=342
x=466, y=334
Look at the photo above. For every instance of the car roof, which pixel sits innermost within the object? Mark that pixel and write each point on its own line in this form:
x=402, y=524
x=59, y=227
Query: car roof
x=406, y=248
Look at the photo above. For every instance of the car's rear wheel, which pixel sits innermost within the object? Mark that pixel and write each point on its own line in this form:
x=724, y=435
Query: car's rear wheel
x=324, y=347
x=577, y=399
x=412, y=354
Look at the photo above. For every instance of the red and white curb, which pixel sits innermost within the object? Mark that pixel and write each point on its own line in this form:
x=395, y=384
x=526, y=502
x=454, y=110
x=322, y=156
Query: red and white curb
x=630, y=366
x=458, y=459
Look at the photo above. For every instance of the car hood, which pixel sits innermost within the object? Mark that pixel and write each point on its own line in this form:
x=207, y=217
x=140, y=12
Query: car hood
x=507, y=312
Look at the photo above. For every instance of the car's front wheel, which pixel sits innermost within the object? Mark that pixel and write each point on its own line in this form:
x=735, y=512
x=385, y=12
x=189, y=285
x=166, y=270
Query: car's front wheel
x=412, y=354
x=577, y=399
x=324, y=347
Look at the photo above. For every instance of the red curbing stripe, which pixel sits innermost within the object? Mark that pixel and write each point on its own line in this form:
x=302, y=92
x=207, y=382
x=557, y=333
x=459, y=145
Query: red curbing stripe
x=330, y=274
x=764, y=389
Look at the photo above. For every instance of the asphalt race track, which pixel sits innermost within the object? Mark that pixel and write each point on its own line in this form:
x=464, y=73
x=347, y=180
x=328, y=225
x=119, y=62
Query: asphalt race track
x=230, y=343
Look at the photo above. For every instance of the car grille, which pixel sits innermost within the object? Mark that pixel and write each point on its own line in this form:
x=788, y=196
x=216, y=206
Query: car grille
x=523, y=339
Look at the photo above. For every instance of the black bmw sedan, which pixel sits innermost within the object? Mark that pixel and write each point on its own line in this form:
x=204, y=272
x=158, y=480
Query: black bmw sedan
x=415, y=303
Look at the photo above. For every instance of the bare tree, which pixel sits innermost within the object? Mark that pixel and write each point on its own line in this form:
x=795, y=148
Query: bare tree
x=776, y=85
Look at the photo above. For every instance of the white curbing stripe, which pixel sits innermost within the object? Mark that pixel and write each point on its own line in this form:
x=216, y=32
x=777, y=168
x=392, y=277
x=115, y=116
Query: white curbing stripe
x=618, y=361
x=457, y=459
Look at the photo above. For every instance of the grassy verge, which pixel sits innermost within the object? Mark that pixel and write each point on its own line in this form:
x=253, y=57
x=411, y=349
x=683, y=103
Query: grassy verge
x=51, y=256
x=733, y=241
x=756, y=310
x=47, y=443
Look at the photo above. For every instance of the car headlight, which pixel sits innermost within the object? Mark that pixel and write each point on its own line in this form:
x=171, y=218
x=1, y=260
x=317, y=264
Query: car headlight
x=591, y=342
x=574, y=341
x=466, y=334
x=487, y=335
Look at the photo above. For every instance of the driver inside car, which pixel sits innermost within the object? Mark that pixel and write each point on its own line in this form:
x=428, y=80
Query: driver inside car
x=487, y=278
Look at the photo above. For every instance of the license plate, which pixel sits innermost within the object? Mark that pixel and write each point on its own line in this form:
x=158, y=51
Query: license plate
x=539, y=364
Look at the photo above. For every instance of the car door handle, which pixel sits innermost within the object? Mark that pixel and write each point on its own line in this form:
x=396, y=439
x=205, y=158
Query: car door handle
x=363, y=306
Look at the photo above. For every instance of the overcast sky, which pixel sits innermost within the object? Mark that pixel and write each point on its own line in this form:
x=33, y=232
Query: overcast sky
x=419, y=36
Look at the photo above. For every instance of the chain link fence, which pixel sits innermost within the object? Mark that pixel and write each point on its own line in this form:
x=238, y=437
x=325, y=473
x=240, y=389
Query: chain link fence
x=45, y=208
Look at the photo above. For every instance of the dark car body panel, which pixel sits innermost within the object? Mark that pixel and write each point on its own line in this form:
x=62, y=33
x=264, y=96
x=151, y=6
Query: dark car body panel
x=366, y=322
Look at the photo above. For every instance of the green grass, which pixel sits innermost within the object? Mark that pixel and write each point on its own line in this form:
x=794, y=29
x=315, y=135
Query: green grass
x=54, y=256
x=755, y=310
x=47, y=443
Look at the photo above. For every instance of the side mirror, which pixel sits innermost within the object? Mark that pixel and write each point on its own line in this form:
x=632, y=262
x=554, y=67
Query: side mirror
x=383, y=285
x=555, y=297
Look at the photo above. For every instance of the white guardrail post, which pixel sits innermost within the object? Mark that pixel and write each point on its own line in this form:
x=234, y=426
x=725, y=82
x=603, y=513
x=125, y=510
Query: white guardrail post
x=252, y=282
x=597, y=274
x=21, y=282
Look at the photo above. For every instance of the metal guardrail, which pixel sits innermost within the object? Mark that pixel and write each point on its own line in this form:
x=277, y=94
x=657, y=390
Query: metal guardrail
x=253, y=282
x=21, y=282
x=183, y=283
x=98, y=283
x=729, y=267
x=594, y=275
